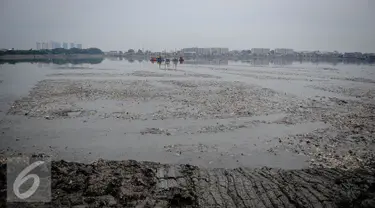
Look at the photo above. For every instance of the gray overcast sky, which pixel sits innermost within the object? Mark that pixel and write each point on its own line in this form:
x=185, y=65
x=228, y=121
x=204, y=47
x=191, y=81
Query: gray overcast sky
x=343, y=25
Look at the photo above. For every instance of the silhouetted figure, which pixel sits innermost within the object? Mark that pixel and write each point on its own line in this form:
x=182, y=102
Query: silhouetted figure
x=167, y=62
x=175, y=61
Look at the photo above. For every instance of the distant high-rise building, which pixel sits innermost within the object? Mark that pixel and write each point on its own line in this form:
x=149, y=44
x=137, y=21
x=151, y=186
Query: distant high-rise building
x=44, y=45
x=72, y=45
x=50, y=45
x=57, y=45
x=79, y=46
x=38, y=46
x=224, y=50
x=65, y=45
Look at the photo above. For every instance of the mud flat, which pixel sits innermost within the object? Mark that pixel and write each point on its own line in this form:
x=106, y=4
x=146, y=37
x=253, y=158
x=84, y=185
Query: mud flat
x=330, y=132
x=316, y=124
x=172, y=98
x=147, y=184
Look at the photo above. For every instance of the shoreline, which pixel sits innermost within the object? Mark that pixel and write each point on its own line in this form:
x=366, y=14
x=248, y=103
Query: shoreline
x=50, y=56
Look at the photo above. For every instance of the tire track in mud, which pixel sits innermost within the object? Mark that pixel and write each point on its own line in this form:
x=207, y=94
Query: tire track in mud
x=149, y=184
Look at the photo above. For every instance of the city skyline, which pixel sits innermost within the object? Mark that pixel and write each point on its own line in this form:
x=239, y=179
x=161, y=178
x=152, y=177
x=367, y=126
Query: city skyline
x=56, y=44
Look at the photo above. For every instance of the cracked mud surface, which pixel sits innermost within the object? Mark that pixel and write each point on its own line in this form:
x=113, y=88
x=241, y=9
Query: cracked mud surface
x=147, y=184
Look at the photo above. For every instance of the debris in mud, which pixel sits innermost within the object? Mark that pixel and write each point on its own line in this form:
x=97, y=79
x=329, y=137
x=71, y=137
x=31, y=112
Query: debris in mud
x=180, y=148
x=223, y=128
x=67, y=113
x=155, y=131
x=211, y=99
x=356, y=79
x=350, y=123
x=330, y=69
x=261, y=76
x=366, y=93
x=134, y=184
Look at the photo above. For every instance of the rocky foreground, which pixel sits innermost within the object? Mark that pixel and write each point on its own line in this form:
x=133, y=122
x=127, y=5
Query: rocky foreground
x=147, y=184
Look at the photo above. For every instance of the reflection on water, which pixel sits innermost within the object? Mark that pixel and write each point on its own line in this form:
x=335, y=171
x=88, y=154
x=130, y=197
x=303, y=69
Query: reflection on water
x=129, y=59
x=291, y=61
x=207, y=61
x=278, y=61
x=56, y=61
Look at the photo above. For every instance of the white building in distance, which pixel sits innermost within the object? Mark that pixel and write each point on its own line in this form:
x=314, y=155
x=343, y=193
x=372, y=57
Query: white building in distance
x=260, y=51
x=284, y=51
x=206, y=51
x=44, y=45
x=65, y=45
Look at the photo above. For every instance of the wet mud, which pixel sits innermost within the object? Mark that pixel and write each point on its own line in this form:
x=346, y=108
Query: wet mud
x=192, y=99
x=353, y=91
x=211, y=128
x=147, y=184
x=346, y=141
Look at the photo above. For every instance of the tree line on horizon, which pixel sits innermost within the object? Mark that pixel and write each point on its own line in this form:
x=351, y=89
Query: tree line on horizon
x=52, y=51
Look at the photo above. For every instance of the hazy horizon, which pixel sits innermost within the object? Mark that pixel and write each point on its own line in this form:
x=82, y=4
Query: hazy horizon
x=342, y=25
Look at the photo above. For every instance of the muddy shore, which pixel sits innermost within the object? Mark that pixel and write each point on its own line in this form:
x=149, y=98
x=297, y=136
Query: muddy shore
x=161, y=106
x=147, y=184
x=213, y=127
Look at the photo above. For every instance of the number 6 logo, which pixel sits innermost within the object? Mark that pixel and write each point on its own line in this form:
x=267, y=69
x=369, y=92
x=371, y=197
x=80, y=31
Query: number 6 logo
x=22, y=178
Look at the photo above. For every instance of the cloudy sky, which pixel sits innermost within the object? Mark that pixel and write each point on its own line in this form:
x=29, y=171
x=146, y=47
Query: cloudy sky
x=326, y=25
